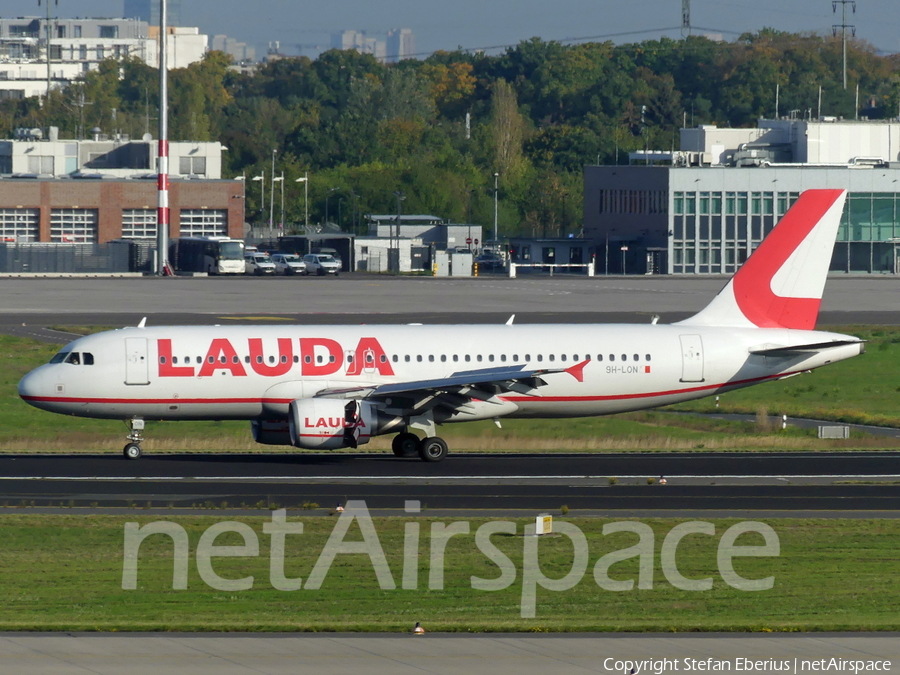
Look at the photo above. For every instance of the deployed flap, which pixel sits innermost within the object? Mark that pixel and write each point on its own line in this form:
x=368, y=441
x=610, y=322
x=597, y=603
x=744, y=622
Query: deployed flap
x=510, y=378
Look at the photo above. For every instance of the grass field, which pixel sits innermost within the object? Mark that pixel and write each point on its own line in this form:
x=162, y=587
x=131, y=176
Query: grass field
x=846, y=391
x=862, y=390
x=65, y=573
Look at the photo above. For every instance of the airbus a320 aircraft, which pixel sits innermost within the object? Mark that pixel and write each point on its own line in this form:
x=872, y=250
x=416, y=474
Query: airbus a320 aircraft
x=336, y=387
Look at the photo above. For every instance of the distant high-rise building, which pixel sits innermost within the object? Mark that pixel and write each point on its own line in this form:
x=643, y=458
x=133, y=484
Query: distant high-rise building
x=358, y=40
x=400, y=44
x=241, y=52
x=148, y=10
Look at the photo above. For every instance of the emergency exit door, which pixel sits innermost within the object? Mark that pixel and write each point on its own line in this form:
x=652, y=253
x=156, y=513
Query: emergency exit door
x=691, y=358
x=137, y=367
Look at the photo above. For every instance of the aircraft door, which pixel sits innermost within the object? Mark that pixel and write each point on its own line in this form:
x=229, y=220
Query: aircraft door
x=137, y=366
x=691, y=358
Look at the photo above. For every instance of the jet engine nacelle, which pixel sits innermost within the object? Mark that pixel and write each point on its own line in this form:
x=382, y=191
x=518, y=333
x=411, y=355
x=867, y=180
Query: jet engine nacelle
x=328, y=423
x=271, y=432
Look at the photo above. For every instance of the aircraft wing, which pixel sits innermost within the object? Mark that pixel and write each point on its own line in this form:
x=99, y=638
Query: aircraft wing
x=452, y=391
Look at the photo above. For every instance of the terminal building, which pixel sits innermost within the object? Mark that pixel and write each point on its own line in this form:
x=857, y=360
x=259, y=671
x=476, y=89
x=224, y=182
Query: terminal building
x=704, y=208
x=98, y=190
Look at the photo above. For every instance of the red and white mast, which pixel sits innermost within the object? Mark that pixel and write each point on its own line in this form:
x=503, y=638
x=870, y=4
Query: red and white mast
x=162, y=183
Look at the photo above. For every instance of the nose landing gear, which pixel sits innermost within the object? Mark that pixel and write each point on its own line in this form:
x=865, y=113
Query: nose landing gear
x=133, y=449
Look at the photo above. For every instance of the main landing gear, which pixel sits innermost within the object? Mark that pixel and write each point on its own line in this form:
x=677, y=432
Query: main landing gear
x=430, y=449
x=133, y=449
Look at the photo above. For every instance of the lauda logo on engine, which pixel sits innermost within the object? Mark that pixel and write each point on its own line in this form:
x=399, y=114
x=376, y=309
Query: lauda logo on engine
x=315, y=357
x=333, y=423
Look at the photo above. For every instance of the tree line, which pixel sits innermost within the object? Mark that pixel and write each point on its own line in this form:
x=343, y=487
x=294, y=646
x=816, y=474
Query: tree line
x=438, y=129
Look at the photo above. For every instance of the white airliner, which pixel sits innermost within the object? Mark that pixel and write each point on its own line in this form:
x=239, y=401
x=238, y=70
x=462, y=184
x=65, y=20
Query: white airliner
x=330, y=387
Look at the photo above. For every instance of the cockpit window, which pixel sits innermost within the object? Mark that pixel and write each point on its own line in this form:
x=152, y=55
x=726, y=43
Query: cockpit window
x=87, y=358
x=74, y=358
x=59, y=357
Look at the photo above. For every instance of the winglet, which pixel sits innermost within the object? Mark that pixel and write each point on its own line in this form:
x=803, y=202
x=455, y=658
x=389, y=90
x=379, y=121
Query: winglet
x=577, y=371
x=510, y=320
x=143, y=323
x=781, y=284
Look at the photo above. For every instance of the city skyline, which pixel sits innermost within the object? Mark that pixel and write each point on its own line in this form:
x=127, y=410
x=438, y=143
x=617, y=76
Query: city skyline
x=476, y=25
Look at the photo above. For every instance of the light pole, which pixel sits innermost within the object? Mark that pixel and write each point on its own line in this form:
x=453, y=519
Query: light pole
x=272, y=196
x=262, y=195
x=606, y=252
x=496, y=179
x=305, y=181
x=353, y=218
x=400, y=197
x=327, y=197
x=280, y=179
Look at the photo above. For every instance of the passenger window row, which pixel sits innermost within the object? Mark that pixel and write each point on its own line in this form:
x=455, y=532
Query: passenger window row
x=369, y=358
x=491, y=358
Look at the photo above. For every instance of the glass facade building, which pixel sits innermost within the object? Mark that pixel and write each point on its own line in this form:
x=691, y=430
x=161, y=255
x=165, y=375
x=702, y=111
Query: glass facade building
x=714, y=232
x=711, y=219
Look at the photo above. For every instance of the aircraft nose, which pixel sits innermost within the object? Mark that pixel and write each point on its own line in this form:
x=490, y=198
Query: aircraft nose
x=34, y=386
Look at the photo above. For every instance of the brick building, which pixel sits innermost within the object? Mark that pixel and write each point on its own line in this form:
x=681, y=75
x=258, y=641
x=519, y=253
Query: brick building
x=100, y=210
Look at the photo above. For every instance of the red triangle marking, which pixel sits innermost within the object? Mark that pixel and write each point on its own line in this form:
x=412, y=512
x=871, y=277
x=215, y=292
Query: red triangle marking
x=577, y=371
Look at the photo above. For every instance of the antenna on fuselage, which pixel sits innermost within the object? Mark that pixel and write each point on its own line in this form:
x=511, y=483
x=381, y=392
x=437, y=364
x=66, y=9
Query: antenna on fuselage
x=143, y=323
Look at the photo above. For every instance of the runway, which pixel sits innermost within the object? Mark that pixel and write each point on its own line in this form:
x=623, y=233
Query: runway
x=358, y=297
x=500, y=654
x=720, y=482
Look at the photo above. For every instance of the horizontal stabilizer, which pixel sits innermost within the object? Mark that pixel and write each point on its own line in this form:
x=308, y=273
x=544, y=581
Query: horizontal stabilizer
x=803, y=349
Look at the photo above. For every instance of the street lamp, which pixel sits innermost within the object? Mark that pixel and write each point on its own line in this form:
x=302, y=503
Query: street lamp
x=328, y=194
x=305, y=181
x=262, y=196
x=272, y=196
x=280, y=179
x=353, y=219
x=400, y=197
x=496, y=178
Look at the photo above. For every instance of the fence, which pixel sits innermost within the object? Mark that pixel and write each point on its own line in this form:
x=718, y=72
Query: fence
x=33, y=257
x=374, y=260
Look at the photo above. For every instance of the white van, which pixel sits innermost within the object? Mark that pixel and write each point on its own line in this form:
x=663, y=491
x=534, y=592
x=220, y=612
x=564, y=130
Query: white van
x=258, y=264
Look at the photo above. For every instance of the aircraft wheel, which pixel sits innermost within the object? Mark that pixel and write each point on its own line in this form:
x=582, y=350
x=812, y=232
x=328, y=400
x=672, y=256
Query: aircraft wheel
x=405, y=444
x=132, y=451
x=433, y=449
